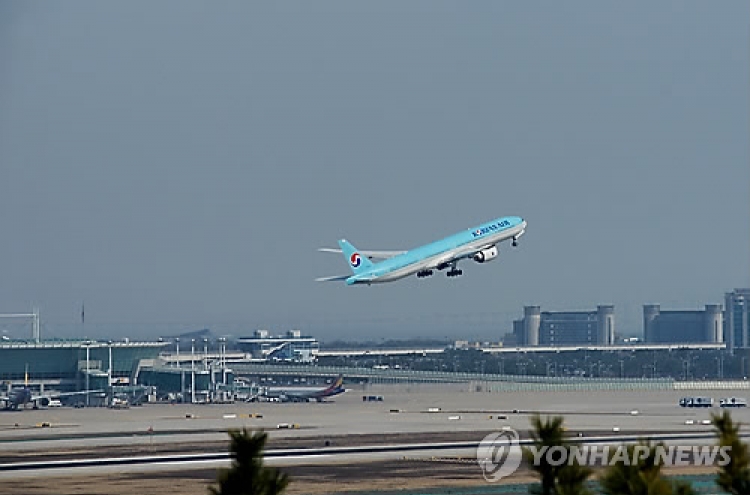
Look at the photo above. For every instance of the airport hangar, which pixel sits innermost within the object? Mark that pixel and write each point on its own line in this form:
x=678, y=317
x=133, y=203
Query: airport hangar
x=47, y=366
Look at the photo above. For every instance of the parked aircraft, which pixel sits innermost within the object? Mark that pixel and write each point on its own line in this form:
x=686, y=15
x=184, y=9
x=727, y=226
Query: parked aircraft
x=300, y=394
x=478, y=243
x=20, y=397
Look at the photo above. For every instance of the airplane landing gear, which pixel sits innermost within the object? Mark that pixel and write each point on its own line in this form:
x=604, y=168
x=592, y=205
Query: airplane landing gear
x=515, y=242
x=455, y=273
x=424, y=273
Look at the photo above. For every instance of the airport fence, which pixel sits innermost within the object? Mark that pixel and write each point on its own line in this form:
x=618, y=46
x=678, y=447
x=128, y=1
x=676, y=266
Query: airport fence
x=477, y=381
x=713, y=385
x=571, y=386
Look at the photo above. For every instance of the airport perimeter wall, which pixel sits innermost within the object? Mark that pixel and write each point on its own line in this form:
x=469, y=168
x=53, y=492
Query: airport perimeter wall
x=583, y=386
x=713, y=385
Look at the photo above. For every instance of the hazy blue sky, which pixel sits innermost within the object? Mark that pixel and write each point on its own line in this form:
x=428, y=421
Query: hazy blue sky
x=176, y=164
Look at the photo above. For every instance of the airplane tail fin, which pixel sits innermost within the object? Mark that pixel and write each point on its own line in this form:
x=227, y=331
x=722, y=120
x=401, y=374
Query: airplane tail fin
x=357, y=262
x=337, y=383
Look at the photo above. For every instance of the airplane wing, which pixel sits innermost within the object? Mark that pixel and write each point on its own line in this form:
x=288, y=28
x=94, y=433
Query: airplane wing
x=456, y=255
x=373, y=255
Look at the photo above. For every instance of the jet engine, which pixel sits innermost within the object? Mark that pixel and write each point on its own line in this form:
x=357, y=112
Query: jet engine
x=486, y=254
x=43, y=401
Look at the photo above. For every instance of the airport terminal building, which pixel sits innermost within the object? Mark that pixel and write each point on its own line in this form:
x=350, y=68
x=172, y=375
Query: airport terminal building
x=564, y=328
x=112, y=368
x=677, y=327
x=72, y=365
x=736, y=318
x=293, y=346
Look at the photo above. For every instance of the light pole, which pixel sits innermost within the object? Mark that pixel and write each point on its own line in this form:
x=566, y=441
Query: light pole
x=110, y=390
x=192, y=370
x=182, y=373
x=223, y=359
x=109, y=368
x=88, y=355
x=205, y=354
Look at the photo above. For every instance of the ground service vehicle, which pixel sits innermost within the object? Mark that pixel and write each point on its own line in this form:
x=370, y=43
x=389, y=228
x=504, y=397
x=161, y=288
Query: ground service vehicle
x=697, y=402
x=733, y=402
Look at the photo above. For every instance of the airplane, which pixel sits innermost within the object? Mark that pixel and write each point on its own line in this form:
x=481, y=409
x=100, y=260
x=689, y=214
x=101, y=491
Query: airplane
x=477, y=243
x=300, y=394
x=18, y=398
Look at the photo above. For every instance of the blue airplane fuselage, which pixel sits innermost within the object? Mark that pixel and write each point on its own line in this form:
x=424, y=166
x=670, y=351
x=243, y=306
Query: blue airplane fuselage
x=448, y=250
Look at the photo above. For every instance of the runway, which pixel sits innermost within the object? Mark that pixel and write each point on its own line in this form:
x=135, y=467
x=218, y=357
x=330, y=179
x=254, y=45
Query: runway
x=289, y=457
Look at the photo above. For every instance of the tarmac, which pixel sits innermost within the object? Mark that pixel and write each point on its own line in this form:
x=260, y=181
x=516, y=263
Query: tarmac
x=408, y=413
x=405, y=409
